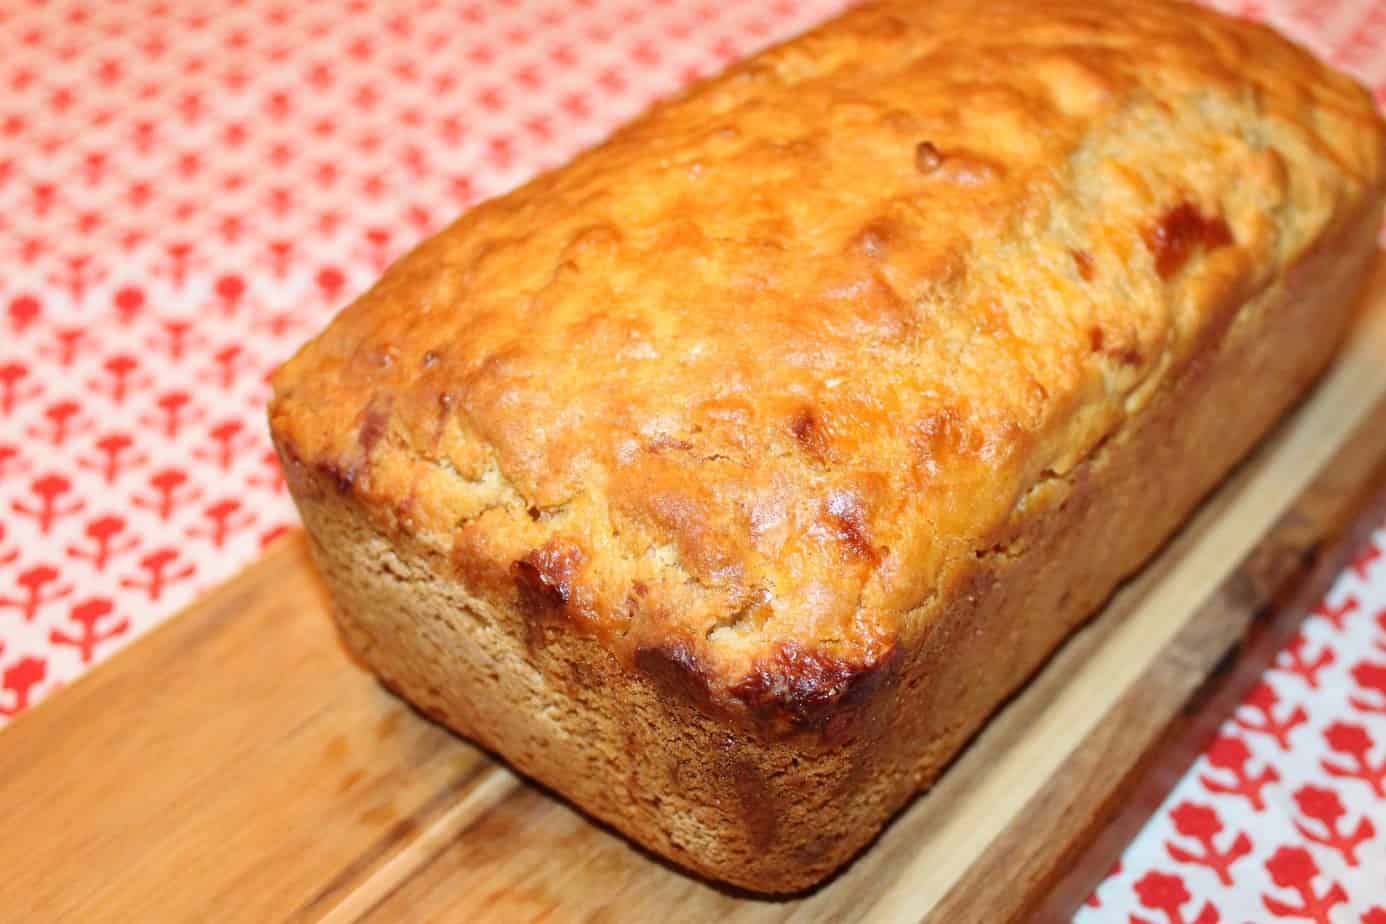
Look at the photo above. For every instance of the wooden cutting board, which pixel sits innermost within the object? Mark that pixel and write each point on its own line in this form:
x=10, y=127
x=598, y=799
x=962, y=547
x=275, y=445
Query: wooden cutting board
x=235, y=765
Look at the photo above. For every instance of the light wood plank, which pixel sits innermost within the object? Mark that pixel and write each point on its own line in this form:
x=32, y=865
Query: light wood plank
x=233, y=760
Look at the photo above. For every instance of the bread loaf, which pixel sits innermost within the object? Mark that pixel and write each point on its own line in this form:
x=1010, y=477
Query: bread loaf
x=726, y=479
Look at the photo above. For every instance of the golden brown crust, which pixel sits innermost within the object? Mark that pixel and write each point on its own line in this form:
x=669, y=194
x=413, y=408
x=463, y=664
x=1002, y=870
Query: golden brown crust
x=786, y=352
x=758, y=395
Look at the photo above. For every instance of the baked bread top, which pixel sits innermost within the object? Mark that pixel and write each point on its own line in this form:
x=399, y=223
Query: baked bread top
x=749, y=388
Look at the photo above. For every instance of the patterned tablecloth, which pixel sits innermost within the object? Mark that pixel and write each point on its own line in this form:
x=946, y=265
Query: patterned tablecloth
x=188, y=189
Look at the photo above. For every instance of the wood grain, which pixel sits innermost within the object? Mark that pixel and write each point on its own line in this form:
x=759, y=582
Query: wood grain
x=234, y=764
x=231, y=760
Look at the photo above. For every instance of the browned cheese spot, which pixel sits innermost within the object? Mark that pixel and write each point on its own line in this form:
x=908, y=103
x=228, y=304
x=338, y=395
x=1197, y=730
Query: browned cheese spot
x=372, y=429
x=547, y=577
x=1173, y=239
x=927, y=157
x=1083, y=260
x=807, y=687
x=810, y=434
x=849, y=523
x=940, y=435
x=341, y=476
x=1127, y=356
x=873, y=240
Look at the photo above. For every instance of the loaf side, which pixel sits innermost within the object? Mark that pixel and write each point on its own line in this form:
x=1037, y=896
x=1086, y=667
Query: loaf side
x=779, y=812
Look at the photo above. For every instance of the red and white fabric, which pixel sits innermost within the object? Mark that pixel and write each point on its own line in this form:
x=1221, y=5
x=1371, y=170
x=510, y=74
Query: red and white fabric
x=188, y=189
x=1284, y=816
